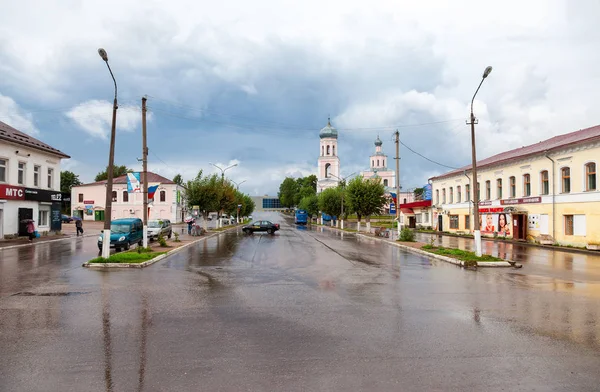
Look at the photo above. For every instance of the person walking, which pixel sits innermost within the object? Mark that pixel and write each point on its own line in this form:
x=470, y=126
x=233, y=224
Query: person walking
x=190, y=223
x=31, y=230
x=79, y=226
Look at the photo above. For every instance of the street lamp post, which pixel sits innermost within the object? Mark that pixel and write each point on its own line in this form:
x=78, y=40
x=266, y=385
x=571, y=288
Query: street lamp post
x=475, y=187
x=237, y=184
x=111, y=159
x=219, y=221
x=343, y=184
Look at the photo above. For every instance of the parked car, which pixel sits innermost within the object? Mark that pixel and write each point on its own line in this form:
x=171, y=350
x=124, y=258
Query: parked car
x=66, y=219
x=159, y=226
x=259, y=226
x=124, y=233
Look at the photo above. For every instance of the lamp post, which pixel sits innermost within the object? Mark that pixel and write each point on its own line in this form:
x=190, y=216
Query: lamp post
x=111, y=159
x=220, y=223
x=343, y=184
x=475, y=187
x=237, y=184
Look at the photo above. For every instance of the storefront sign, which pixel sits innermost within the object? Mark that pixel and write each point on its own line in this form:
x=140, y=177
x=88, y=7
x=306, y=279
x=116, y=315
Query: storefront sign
x=9, y=192
x=55, y=217
x=485, y=203
x=42, y=195
x=492, y=210
x=88, y=202
x=523, y=200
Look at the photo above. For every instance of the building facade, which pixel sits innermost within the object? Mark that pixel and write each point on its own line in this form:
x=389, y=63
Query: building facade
x=267, y=203
x=328, y=162
x=378, y=167
x=29, y=183
x=88, y=200
x=546, y=192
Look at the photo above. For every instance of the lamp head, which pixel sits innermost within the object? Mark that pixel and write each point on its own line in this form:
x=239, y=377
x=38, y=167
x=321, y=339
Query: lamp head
x=103, y=54
x=487, y=71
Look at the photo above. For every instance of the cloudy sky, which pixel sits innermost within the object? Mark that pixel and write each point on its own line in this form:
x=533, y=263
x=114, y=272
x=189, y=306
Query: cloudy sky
x=253, y=82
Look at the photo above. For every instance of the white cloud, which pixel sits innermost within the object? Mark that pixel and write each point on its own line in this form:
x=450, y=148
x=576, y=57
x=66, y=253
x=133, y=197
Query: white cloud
x=13, y=115
x=95, y=118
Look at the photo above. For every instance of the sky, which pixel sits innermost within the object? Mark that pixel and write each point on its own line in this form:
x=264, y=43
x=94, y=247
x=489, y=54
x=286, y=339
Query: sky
x=252, y=83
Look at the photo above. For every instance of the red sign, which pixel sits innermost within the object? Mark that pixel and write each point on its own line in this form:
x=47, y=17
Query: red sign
x=88, y=202
x=524, y=200
x=492, y=210
x=9, y=192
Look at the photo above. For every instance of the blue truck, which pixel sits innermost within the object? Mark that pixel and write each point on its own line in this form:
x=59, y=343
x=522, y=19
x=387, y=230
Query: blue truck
x=301, y=217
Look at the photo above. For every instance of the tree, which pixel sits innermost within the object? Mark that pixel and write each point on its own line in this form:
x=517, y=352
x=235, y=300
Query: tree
x=419, y=193
x=365, y=197
x=310, y=204
x=330, y=201
x=68, y=180
x=118, y=171
x=203, y=192
x=178, y=179
x=287, y=192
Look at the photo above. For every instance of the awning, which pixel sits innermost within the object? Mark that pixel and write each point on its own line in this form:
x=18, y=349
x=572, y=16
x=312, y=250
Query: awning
x=407, y=211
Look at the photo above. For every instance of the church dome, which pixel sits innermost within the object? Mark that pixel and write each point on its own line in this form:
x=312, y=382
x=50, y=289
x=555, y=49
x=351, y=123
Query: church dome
x=328, y=131
x=378, y=142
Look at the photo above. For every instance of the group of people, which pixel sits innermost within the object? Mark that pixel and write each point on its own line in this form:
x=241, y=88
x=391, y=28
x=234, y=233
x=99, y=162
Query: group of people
x=503, y=224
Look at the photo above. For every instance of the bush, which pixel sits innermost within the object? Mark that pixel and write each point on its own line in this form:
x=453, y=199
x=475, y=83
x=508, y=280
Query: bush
x=162, y=241
x=141, y=249
x=407, y=235
x=177, y=237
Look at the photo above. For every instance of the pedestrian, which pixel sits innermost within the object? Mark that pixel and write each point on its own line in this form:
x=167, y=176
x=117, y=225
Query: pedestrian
x=31, y=230
x=190, y=223
x=79, y=226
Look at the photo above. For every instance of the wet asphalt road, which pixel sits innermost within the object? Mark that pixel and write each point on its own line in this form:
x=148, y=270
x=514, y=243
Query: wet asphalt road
x=302, y=310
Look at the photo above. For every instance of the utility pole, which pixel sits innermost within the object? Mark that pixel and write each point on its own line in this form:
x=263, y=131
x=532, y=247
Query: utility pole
x=398, y=180
x=145, y=171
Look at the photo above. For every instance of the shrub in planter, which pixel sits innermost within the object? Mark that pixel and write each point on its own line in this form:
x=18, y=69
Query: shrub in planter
x=407, y=235
x=162, y=241
x=177, y=237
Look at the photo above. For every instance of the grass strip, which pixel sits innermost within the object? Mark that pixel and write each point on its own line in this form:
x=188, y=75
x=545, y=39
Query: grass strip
x=128, y=257
x=459, y=254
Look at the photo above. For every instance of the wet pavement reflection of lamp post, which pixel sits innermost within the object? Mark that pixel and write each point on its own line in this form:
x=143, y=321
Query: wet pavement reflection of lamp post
x=475, y=187
x=109, y=170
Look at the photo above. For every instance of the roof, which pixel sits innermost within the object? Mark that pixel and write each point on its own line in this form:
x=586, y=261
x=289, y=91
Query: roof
x=125, y=220
x=578, y=137
x=152, y=177
x=12, y=135
x=416, y=204
x=328, y=131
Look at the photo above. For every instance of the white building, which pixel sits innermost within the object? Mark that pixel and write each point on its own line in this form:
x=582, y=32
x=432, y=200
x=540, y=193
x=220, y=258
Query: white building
x=379, y=169
x=328, y=162
x=29, y=183
x=88, y=200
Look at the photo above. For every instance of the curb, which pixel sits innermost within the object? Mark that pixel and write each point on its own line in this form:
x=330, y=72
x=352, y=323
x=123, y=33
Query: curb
x=154, y=260
x=44, y=242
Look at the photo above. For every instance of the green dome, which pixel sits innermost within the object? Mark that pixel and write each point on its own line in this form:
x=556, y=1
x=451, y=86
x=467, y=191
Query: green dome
x=378, y=142
x=328, y=131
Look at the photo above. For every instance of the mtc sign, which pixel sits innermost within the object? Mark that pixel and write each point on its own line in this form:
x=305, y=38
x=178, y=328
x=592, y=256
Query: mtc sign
x=9, y=192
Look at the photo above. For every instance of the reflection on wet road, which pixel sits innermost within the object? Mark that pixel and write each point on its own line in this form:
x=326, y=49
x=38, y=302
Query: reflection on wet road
x=302, y=310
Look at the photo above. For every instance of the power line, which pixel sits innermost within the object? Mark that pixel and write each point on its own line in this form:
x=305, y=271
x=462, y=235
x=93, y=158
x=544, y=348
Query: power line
x=424, y=157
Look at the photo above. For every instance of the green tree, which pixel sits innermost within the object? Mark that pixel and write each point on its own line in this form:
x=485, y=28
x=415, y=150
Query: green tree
x=204, y=192
x=330, y=201
x=310, y=204
x=419, y=192
x=365, y=197
x=287, y=192
x=178, y=179
x=68, y=180
x=118, y=171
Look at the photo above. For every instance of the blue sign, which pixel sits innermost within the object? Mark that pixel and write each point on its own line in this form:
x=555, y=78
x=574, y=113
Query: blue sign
x=392, y=209
x=427, y=193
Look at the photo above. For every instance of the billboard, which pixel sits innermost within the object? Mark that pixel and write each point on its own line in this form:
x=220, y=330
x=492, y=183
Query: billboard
x=133, y=183
x=500, y=223
x=427, y=193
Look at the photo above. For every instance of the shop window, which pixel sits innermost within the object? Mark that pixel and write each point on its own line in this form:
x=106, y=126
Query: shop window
x=125, y=197
x=43, y=217
x=499, y=188
x=458, y=194
x=163, y=196
x=451, y=193
x=467, y=222
x=454, y=221
x=566, y=179
x=488, y=190
x=526, y=185
x=425, y=217
x=513, y=186
x=114, y=196
x=575, y=225
x=590, y=176
x=36, y=175
x=3, y=164
x=50, y=177
x=545, y=182
x=21, y=174
x=80, y=197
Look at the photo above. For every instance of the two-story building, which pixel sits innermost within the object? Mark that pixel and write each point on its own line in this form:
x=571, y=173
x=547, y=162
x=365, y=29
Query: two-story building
x=29, y=183
x=88, y=200
x=546, y=192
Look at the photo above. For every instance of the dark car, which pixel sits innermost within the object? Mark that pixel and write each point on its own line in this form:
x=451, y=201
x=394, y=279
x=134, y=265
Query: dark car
x=266, y=226
x=66, y=219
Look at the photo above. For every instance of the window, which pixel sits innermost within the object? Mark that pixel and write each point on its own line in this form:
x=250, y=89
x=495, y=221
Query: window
x=328, y=150
x=545, y=184
x=444, y=196
x=378, y=163
x=575, y=225
x=458, y=194
x=43, y=217
x=566, y=179
x=3, y=164
x=373, y=163
x=478, y=192
x=163, y=196
x=467, y=222
x=526, y=185
x=50, y=177
x=437, y=196
x=80, y=197
x=590, y=176
x=271, y=203
x=425, y=217
x=454, y=221
x=499, y=188
x=327, y=169
x=451, y=195
x=385, y=182
x=513, y=186
x=383, y=163
x=468, y=192
x=21, y=174
x=333, y=150
x=114, y=196
x=488, y=190
x=568, y=224
x=125, y=197
x=36, y=175
x=404, y=201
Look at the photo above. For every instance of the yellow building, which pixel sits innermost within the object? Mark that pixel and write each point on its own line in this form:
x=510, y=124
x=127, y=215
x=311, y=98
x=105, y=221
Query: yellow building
x=546, y=192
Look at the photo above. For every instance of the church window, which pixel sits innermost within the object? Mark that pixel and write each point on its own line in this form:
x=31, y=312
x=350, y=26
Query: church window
x=383, y=164
x=333, y=150
x=327, y=170
x=322, y=150
x=373, y=163
x=378, y=163
x=328, y=150
x=385, y=182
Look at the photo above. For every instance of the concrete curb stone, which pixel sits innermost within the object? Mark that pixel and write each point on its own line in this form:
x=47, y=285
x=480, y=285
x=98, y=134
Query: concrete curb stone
x=45, y=242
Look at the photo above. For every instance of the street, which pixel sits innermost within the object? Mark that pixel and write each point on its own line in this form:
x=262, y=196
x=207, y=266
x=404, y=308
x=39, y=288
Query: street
x=304, y=310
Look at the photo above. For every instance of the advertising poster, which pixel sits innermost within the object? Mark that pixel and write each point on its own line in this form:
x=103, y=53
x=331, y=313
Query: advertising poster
x=500, y=223
x=533, y=221
x=133, y=183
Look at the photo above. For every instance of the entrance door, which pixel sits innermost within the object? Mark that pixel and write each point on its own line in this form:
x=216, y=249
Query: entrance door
x=440, y=227
x=519, y=226
x=99, y=215
x=24, y=213
x=412, y=222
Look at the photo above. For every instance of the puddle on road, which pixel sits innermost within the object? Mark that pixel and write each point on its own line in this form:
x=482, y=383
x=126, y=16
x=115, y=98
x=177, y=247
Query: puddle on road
x=56, y=294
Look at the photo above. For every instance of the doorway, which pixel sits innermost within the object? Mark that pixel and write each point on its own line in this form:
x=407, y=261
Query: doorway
x=519, y=226
x=99, y=215
x=24, y=213
x=412, y=222
x=440, y=220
